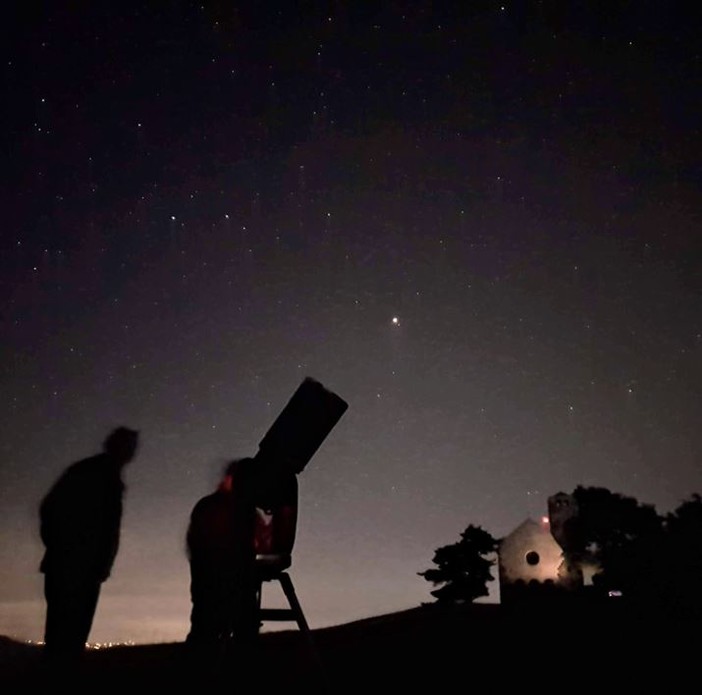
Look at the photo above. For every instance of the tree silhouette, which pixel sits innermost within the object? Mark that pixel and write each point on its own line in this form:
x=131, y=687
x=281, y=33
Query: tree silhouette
x=615, y=533
x=463, y=568
x=680, y=563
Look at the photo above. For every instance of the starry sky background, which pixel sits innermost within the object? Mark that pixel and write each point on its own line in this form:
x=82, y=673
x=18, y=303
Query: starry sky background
x=205, y=202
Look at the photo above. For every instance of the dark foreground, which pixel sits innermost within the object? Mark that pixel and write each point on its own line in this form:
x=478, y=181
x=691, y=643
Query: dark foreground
x=427, y=649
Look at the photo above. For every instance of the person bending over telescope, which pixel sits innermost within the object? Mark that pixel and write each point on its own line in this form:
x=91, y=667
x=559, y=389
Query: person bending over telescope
x=252, y=513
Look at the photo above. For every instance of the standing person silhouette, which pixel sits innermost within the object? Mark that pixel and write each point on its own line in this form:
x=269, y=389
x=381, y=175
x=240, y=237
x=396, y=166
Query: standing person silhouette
x=80, y=522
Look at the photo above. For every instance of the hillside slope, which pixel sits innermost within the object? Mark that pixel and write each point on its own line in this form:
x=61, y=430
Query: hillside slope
x=426, y=648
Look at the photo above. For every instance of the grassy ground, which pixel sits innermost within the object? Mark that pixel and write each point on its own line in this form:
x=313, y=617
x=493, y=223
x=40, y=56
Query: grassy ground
x=426, y=649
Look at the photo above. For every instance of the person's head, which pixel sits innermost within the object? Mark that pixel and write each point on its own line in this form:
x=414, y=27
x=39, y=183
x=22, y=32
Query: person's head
x=121, y=444
x=233, y=472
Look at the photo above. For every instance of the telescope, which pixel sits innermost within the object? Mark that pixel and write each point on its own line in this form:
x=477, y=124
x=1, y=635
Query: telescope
x=291, y=441
x=299, y=430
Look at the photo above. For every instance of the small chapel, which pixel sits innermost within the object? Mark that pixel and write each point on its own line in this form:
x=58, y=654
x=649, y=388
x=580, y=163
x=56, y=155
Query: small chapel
x=531, y=559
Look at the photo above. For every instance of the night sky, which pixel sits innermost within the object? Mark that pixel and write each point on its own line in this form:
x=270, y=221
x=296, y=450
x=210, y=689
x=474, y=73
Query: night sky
x=477, y=222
